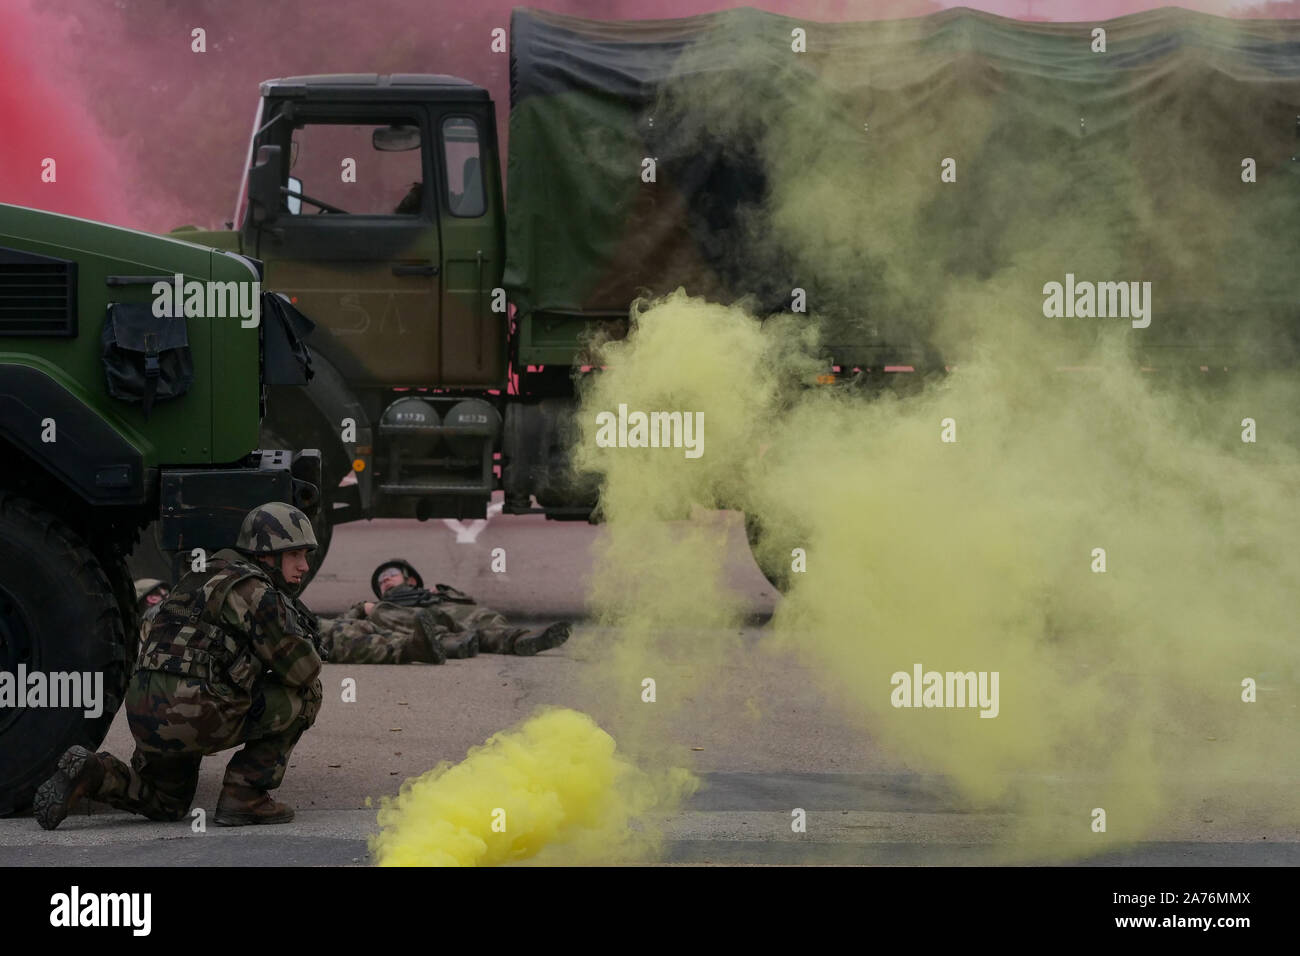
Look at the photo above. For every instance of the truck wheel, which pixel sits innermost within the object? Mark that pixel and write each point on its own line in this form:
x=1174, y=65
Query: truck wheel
x=58, y=615
x=771, y=559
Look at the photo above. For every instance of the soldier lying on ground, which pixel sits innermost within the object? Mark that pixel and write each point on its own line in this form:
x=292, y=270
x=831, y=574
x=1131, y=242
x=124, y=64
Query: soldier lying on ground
x=409, y=623
x=229, y=659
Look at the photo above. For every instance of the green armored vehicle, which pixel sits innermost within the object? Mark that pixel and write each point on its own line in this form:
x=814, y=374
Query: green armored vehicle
x=122, y=403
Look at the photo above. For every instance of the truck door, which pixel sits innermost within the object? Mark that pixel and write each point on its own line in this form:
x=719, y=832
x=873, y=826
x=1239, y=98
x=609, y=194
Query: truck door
x=360, y=250
x=473, y=335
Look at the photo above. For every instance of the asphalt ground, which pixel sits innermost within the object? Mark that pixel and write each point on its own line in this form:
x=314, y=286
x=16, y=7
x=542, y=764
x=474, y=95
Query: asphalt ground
x=864, y=805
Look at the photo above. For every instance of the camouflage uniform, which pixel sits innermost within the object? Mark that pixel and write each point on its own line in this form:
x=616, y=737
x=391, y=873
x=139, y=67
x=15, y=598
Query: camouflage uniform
x=146, y=619
x=495, y=635
x=390, y=635
x=199, y=689
x=229, y=658
x=395, y=630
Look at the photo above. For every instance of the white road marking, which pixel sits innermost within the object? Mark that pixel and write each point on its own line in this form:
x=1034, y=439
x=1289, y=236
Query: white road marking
x=468, y=534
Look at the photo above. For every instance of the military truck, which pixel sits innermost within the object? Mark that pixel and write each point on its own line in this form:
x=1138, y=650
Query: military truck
x=115, y=414
x=448, y=333
x=647, y=155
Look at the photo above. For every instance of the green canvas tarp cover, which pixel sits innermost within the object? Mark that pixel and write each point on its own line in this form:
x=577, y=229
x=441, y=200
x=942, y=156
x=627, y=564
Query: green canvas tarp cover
x=823, y=169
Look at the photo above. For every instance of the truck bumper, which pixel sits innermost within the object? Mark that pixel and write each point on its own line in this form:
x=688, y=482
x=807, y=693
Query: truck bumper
x=204, y=507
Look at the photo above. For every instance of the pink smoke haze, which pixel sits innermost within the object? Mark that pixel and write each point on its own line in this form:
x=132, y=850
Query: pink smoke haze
x=147, y=133
x=40, y=119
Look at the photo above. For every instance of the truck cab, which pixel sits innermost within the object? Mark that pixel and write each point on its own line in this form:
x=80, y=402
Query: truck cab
x=375, y=203
x=388, y=224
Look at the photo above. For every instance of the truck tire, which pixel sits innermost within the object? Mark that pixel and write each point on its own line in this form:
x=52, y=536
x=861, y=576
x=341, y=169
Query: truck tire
x=59, y=613
x=770, y=559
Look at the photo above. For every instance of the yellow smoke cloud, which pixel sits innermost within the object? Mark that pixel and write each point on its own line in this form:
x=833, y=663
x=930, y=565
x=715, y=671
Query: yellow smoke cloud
x=554, y=790
x=1119, y=690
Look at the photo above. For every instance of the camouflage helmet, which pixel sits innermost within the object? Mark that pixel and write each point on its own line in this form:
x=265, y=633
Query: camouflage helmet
x=146, y=586
x=275, y=527
x=407, y=569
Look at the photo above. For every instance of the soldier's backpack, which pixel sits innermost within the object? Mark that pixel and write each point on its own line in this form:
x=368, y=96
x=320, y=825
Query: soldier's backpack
x=188, y=636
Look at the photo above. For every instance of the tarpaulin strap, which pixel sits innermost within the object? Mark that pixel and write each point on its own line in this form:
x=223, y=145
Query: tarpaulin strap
x=152, y=370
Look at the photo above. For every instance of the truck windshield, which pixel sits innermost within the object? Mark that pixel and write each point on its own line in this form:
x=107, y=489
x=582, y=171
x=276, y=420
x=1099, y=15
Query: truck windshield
x=338, y=163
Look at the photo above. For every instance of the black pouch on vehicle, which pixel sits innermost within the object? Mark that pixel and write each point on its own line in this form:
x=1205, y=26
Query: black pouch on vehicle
x=146, y=358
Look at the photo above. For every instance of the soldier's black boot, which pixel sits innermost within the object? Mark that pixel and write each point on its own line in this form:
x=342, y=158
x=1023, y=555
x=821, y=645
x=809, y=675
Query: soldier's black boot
x=244, y=806
x=79, y=774
x=462, y=645
x=430, y=631
x=535, y=641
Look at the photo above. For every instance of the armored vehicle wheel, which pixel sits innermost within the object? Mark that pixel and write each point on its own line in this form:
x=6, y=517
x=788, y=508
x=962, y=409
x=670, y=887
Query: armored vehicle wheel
x=59, y=618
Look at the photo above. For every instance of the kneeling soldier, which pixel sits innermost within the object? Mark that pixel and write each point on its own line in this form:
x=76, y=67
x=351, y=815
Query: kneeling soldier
x=229, y=659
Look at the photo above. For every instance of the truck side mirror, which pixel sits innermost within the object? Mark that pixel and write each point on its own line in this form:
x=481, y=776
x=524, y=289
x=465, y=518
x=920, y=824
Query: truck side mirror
x=264, y=185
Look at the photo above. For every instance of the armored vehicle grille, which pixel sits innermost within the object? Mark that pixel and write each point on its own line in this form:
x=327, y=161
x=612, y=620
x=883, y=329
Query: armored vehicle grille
x=38, y=295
